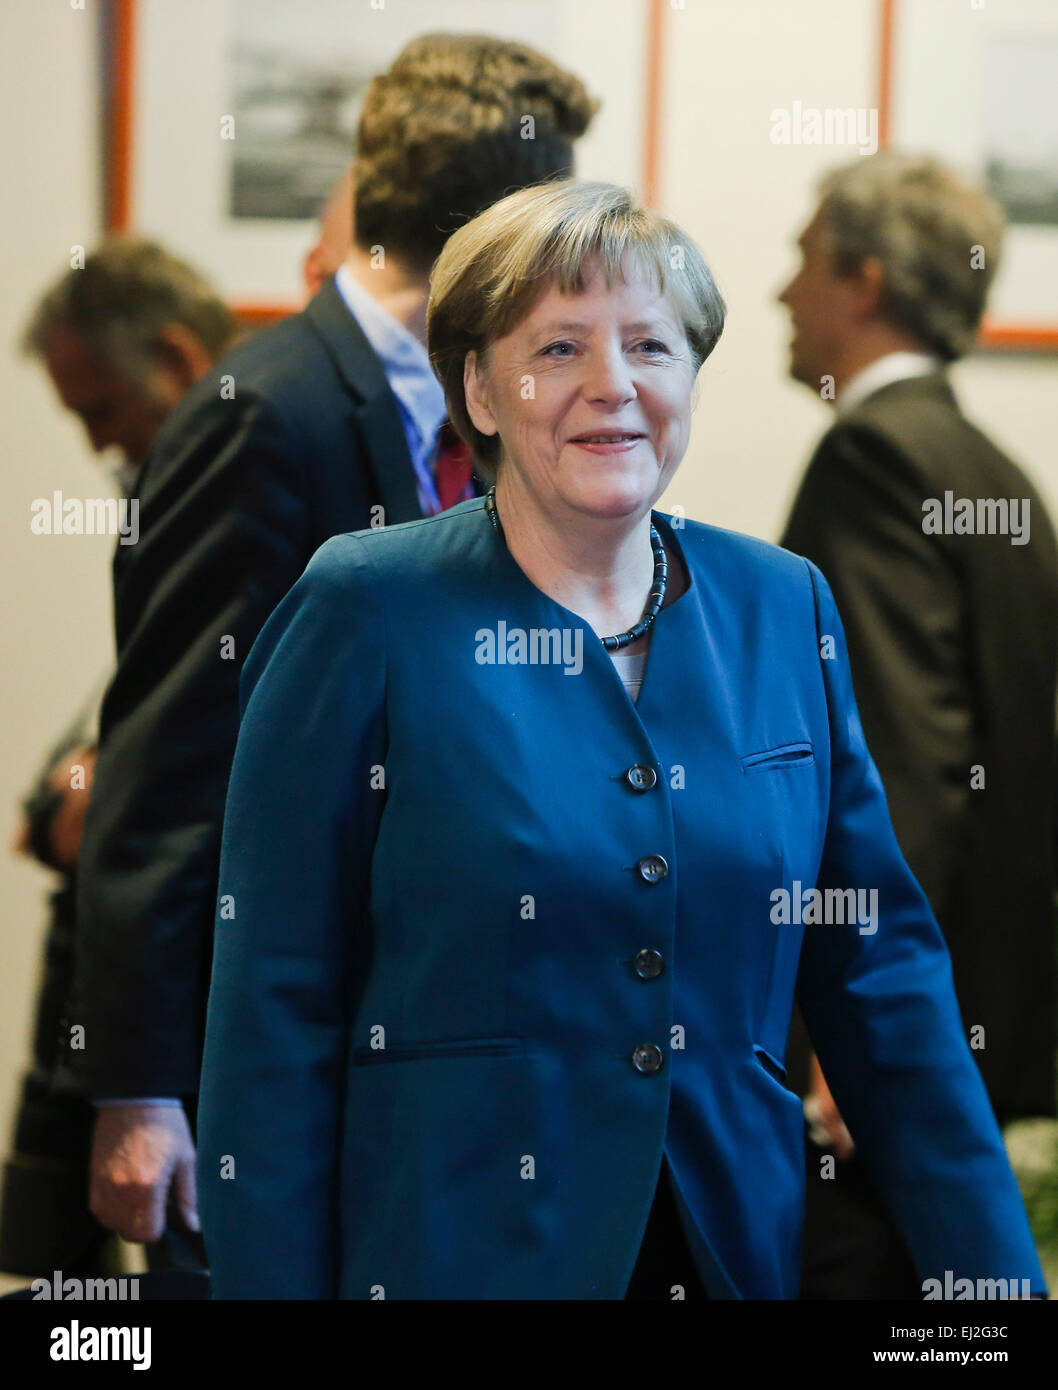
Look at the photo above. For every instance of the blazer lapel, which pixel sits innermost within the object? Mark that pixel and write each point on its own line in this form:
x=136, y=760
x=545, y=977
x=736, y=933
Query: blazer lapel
x=377, y=412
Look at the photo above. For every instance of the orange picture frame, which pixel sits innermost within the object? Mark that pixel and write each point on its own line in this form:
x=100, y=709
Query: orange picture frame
x=120, y=56
x=996, y=333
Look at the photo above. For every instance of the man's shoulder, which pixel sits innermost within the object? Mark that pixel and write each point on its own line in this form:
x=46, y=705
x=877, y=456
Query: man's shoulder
x=284, y=369
x=909, y=444
x=919, y=424
x=277, y=392
x=904, y=447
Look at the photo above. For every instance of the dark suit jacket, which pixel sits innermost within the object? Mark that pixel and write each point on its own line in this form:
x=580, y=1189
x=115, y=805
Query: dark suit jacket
x=953, y=641
x=234, y=498
x=44, y=1217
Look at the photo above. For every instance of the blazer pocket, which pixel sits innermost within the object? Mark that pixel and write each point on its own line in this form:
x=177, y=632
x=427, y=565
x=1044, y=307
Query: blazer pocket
x=786, y=755
x=449, y=1047
x=770, y=1063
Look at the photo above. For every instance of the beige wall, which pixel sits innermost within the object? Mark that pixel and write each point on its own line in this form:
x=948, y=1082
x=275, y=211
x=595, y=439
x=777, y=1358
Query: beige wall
x=56, y=612
x=745, y=200
x=741, y=197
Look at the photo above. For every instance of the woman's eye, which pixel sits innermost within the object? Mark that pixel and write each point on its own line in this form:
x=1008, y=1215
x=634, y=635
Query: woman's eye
x=654, y=347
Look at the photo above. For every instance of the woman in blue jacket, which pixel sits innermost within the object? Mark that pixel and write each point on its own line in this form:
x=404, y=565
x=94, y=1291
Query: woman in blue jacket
x=511, y=917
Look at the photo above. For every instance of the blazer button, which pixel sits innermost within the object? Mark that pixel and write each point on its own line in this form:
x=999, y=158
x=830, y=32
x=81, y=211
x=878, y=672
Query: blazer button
x=648, y=964
x=641, y=778
x=647, y=1058
x=652, y=869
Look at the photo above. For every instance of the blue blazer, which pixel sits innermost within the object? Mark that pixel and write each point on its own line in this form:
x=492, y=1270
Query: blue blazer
x=491, y=939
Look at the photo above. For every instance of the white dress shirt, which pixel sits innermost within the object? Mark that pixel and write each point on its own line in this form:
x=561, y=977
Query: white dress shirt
x=411, y=378
x=883, y=371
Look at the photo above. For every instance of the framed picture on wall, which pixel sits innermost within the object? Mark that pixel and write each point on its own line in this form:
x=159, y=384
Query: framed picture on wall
x=975, y=84
x=229, y=121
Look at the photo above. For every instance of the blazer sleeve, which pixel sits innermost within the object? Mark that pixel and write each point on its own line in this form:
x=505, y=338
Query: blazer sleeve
x=222, y=539
x=859, y=518
x=290, y=949
x=883, y=1018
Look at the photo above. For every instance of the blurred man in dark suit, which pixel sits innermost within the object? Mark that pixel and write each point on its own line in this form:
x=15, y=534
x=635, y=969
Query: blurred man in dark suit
x=331, y=421
x=942, y=560
x=123, y=338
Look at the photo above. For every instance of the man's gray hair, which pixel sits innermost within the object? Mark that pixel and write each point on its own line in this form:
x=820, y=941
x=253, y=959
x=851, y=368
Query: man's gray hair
x=936, y=235
x=120, y=300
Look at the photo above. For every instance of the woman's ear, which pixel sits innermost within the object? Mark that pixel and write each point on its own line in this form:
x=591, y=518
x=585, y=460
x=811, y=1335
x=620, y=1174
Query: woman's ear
x=475, y=388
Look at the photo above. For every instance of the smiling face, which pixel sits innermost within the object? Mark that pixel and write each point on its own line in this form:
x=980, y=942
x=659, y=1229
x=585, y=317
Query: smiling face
x=591, y=396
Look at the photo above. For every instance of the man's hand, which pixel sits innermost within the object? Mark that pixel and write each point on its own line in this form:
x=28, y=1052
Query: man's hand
x=820, y=1108
x=68, y=823
x=137, y=1151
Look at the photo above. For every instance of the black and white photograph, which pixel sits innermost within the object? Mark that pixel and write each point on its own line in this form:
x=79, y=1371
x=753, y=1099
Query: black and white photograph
x=991, y=108
x=269, y=105
x=1021, y=148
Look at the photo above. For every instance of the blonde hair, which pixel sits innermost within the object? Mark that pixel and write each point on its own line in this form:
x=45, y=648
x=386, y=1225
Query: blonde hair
x=494, y=268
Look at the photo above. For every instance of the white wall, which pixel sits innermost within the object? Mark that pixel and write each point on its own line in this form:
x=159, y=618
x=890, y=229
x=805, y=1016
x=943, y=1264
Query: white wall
x=56, y=610
x=745, y=200
x=742, y=198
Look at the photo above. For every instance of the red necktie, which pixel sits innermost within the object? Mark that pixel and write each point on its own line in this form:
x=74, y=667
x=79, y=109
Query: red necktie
x=453, y=467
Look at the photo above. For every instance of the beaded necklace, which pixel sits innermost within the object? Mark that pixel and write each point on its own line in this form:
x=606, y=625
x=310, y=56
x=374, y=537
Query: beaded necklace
x=655, y=598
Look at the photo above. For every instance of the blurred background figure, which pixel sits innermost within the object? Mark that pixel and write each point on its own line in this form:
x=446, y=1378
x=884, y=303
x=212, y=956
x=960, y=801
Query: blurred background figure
x=122, y=340
x=335, y=236
x=953, y=642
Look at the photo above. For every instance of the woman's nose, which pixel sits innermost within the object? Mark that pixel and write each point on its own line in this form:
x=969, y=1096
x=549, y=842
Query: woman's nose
x=609, y=376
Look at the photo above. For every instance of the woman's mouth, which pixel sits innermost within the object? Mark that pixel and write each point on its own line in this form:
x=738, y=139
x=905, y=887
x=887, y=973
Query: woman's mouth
x=608, y=441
